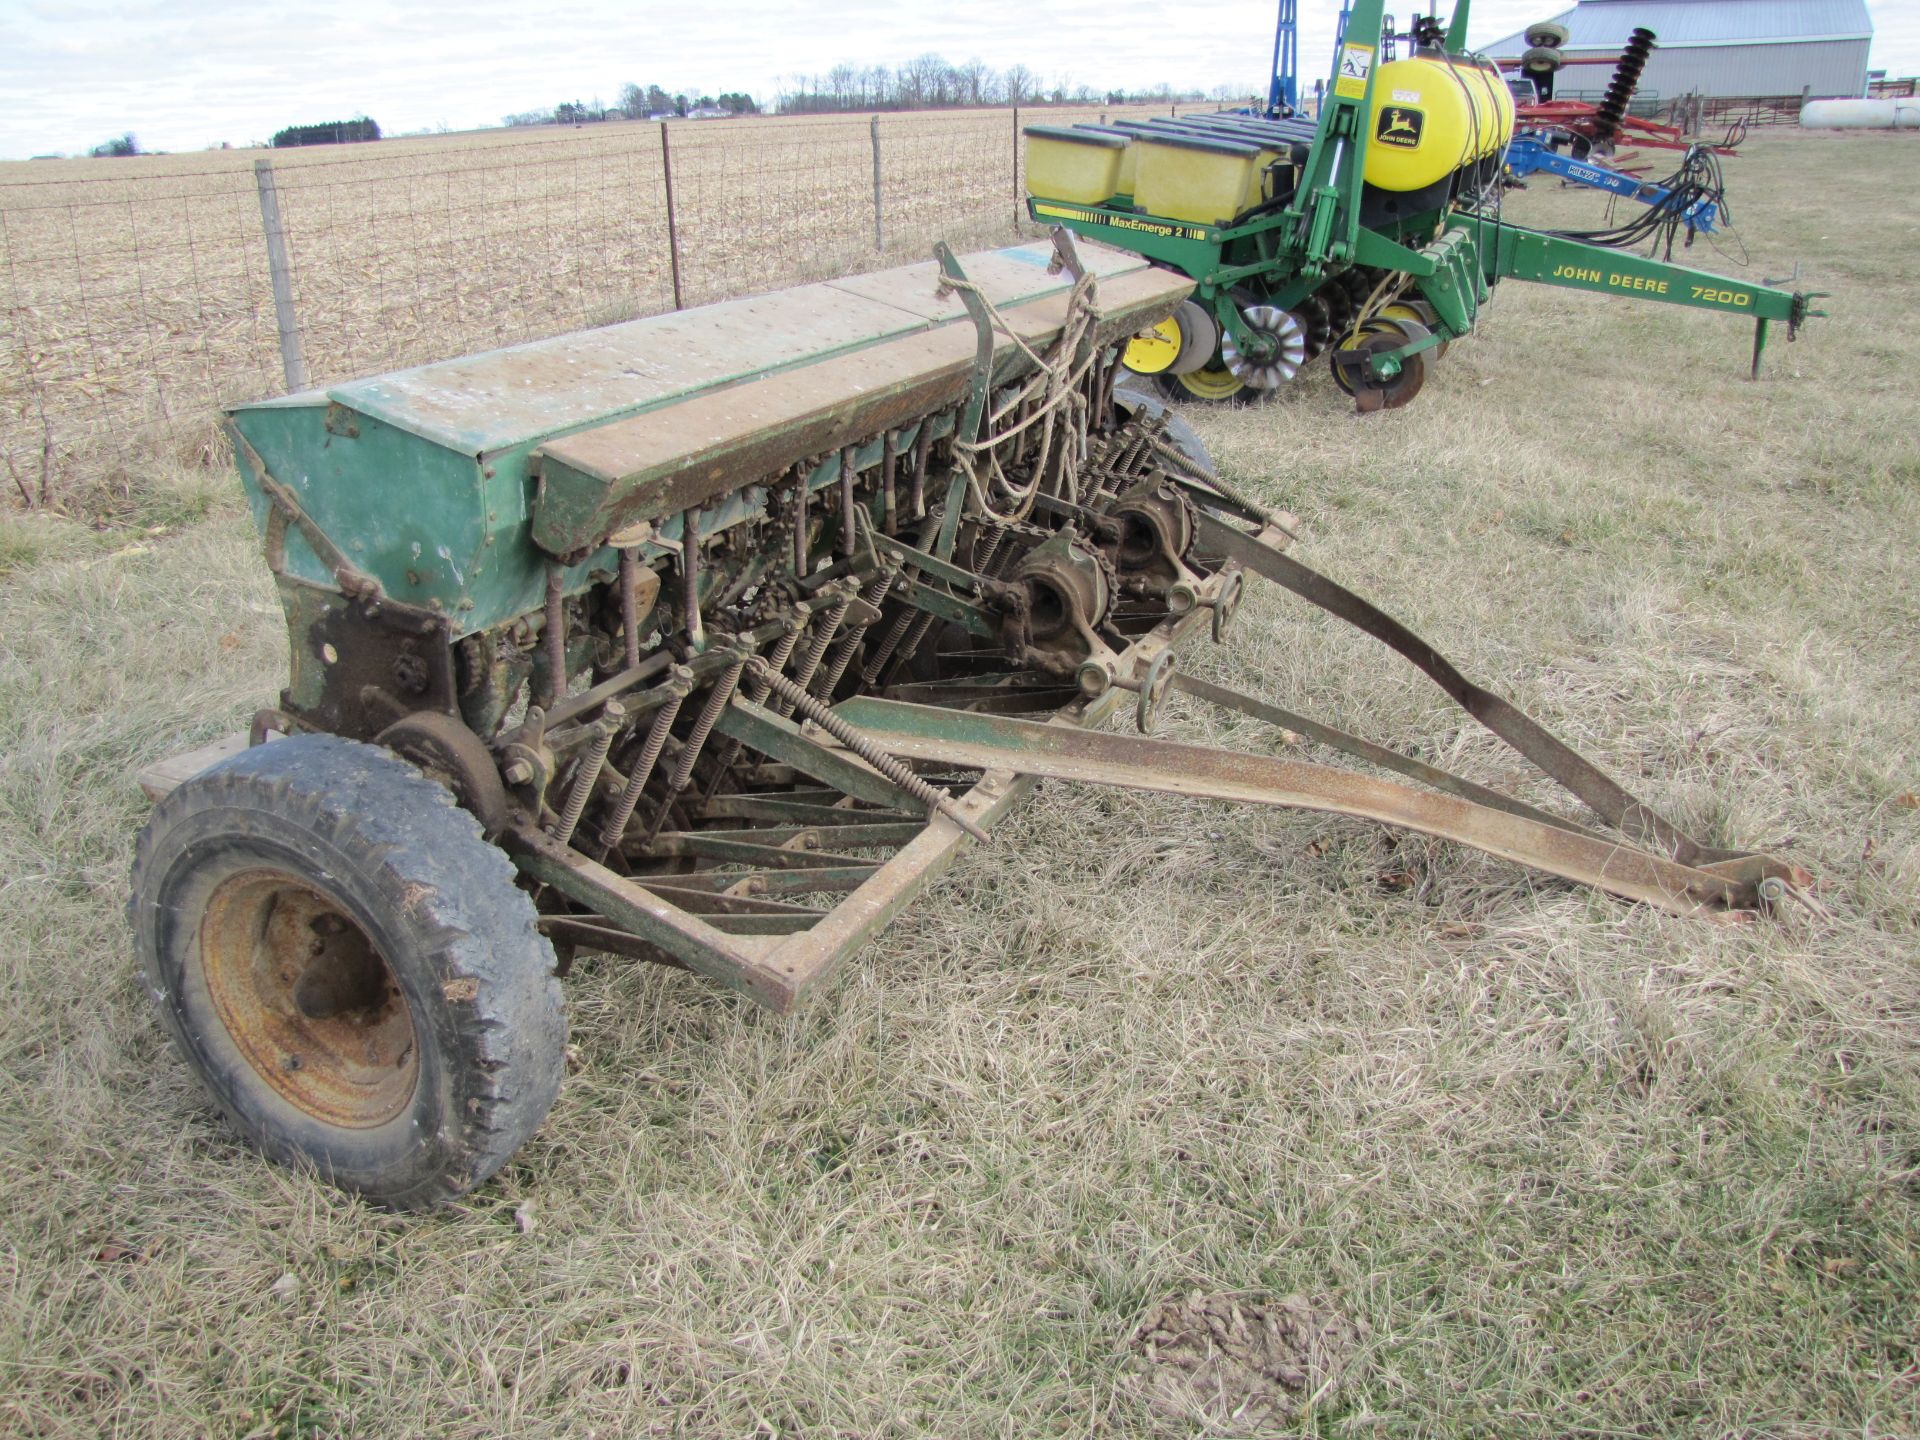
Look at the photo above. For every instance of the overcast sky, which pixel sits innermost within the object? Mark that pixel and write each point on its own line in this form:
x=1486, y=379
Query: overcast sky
x=184, y=74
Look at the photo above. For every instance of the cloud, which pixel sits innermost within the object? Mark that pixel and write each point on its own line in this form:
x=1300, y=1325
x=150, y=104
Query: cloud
x=183, y=73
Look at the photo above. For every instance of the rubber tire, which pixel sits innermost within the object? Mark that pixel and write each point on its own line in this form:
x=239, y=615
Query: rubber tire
x=1244, y=394
x=1199, y=338
x=1183, y=435
x=392, y=849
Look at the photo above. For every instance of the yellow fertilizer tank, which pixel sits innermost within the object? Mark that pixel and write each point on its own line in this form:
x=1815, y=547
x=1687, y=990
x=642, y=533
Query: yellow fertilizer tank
x=1082, y=166
x=1431, y=116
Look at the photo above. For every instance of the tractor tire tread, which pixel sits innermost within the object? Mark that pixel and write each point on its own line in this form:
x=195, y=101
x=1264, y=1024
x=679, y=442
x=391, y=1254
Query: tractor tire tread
x=469, y=923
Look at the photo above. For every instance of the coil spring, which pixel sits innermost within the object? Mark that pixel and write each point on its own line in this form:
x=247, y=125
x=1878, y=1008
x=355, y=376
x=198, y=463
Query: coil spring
x=917, y=636
x=717, y=700
x=866, y=748
x=830, y=680
x=983, y=557
x=757, y=693
x=817, y=646
x=587, y=775
x=1185, y=465
x=870, y=674
x=680, y=682
x=1120, y=460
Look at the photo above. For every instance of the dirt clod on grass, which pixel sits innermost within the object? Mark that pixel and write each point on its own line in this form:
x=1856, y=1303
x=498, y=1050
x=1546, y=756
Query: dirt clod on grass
x=1239, y=1364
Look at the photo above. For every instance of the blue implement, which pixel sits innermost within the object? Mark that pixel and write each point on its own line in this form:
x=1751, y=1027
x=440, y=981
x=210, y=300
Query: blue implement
x=1527, y=156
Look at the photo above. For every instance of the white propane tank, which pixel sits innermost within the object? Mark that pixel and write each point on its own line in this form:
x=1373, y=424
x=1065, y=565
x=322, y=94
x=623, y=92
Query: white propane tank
x=1860, y=115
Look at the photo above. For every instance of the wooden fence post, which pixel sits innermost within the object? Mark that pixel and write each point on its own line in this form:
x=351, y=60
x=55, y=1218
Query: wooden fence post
x=292, y=363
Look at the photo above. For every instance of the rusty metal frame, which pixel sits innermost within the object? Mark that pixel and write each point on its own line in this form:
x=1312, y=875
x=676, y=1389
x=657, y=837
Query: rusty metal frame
x=772, y=899
x=782, y=963
x=1209, y=773
x=735, y=929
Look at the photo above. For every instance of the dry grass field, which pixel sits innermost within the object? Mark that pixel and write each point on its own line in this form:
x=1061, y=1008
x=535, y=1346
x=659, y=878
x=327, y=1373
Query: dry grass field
x=1577, y=1167
x=135, y=295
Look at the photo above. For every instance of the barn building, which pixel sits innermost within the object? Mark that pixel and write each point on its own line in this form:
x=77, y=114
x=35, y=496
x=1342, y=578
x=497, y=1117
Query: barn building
x=1718, y=47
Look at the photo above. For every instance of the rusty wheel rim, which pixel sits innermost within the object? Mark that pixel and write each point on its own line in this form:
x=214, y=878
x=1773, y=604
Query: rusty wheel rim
x=308, y=999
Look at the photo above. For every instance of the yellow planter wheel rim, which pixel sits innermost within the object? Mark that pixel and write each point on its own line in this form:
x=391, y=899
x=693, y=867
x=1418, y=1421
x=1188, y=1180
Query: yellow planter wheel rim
x=1420, y=313
x=1211, y=383
x=1153, y=351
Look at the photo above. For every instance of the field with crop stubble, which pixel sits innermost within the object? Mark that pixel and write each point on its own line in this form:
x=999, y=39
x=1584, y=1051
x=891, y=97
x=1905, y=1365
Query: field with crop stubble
x=135, y=294
x=1577, y=1167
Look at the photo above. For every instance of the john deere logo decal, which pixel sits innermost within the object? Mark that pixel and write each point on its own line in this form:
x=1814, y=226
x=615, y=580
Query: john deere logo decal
x=1400, y=126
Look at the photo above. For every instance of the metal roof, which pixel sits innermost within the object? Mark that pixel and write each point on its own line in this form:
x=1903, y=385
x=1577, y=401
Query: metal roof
x=1605, y=24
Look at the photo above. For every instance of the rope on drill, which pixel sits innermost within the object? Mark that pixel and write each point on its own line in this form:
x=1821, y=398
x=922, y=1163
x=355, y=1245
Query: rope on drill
x=1057, y=381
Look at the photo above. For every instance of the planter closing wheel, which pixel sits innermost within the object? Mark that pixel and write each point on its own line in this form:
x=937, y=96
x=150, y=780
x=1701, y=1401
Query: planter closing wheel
x=1179, y=345
x=1276, y=350
x=1422, y=314
x=1351, y=359
x=1212, y=382
x=349, y=967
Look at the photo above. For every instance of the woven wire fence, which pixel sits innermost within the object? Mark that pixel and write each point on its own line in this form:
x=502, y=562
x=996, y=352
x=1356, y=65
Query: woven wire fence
x=137, y=296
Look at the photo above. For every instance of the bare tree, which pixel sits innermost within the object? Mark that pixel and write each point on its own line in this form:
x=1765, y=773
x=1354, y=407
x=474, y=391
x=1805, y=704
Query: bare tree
x=843, y=84
x=924, y=81
x=972, y=82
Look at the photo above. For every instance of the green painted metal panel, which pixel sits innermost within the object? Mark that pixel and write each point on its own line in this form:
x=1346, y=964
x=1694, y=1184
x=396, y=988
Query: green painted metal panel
x=1509, y=250
x=655, y=465
x=424, y=478
x=429, y=523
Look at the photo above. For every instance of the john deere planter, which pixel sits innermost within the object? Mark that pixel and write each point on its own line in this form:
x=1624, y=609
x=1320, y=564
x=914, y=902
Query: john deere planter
x=1372, y=236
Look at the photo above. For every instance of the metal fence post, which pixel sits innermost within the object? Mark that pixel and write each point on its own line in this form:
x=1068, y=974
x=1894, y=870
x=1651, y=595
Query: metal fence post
x=673, y=227
x=292, y=362
x=879, y=229
x=1016, y=167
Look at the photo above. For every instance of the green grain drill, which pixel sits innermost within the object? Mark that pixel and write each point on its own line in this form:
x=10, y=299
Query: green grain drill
x=708, y=640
